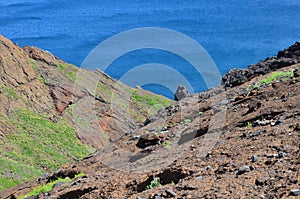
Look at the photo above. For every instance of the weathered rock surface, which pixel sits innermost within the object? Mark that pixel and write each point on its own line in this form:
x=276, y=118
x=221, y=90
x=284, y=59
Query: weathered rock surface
x=46, y=84
x=202, y=146
x=17, y=73
x=181, y=93
x=35, y=81
x=284, y=58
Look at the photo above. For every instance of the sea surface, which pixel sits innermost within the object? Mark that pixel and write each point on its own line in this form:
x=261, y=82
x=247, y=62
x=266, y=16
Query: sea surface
x=234, y=33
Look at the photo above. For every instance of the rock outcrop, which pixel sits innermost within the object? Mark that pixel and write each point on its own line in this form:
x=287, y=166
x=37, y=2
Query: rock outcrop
x=284, y=58
x=240, y=142
x=36, y=86
x=181, y=93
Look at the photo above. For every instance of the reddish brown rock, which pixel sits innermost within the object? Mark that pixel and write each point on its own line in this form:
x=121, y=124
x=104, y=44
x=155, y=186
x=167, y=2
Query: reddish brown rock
x=197, y=145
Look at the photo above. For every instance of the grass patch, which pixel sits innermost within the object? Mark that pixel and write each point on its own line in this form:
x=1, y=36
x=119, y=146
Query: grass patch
x=104, y=91
x=149, y=100
x=136, y=115
x=32, y=62
x=9, y=92
x=68, y=70
x=149, y=103
x=167, y=144
x=72, y=76
x=41, y=79
x=285, y=75
x=185, y=122
x=154, y=183
x=48, y=186
x=62, y=67
x=38, y=146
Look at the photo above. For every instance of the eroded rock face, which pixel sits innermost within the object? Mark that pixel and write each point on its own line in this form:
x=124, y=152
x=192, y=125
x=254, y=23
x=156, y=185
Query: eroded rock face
x=255, y=152
x=20, y=80
x=100, y=107
x=33, y=79
x=181, y=93
x=284, y=58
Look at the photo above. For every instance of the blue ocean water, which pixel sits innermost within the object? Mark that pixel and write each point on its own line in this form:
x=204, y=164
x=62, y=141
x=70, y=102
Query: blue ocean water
x=234, y=33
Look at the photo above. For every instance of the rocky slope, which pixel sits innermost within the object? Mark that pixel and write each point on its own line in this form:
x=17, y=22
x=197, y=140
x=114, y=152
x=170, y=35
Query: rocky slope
x=43, y=125
x=240, y=140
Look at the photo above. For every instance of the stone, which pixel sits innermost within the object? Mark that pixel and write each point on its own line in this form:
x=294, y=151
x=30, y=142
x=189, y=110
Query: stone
x=296, y=73
x=273, y=122
x=280, y=154
x=157, y=196
x=295, y=192
x=243, y=170
x=58, y=184
x=254, y=158
x=264, y=196
x=32, y=197
x=260, y=181
x=170, y=193
x=279, y=148
x=272, y=156
x=297, y=127
x=181, y=93
x=147, y=139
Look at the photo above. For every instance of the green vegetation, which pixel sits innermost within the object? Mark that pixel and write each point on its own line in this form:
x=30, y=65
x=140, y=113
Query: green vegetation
x=38, y=146
x=154, y=183
x=41, y=79
x=186, y=122
x=249, y=124
x=32, y=62
x=136, y=115
x=72, y=76
x=140, y=105
x=105, y=91
x=69, y=70
x=10, y=92
x=166, y=144
x=150, y=100
x=49, y=186
x=62, y=67
x=285, y=75
x=147, y=101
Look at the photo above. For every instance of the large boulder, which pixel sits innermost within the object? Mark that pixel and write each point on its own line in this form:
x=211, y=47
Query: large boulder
x=181, y=93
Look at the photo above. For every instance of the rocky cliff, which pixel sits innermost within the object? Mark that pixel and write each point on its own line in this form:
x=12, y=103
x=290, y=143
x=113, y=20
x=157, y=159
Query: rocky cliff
x=48, y=106
x=240, y=140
